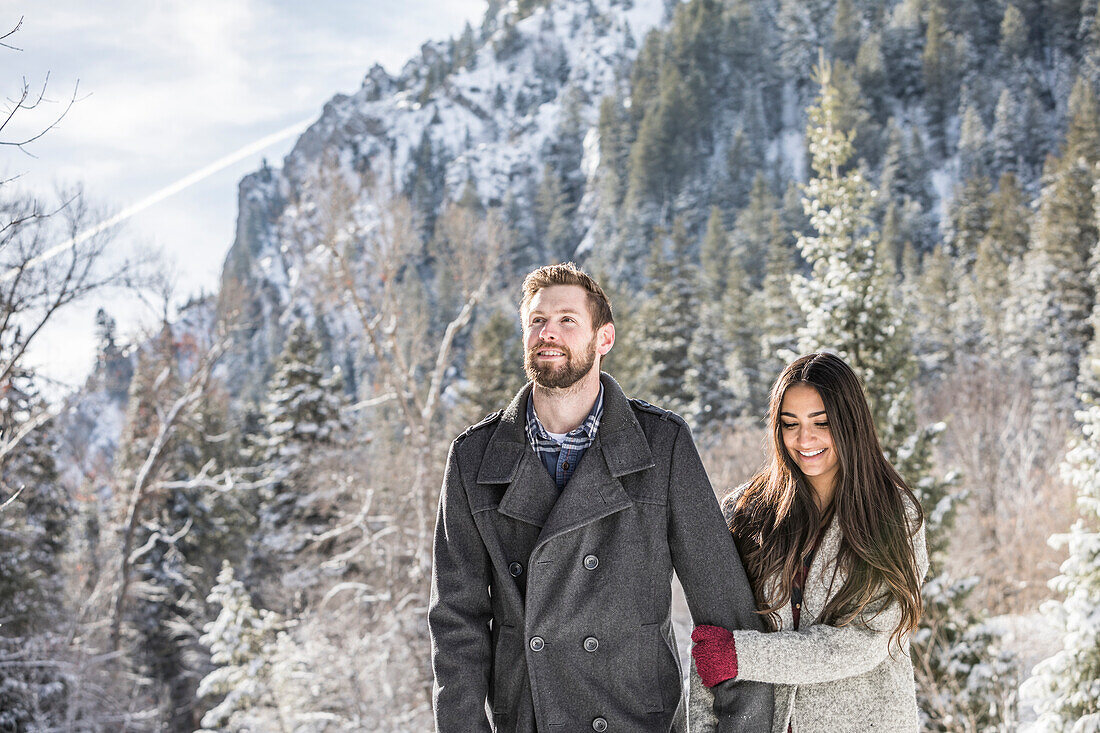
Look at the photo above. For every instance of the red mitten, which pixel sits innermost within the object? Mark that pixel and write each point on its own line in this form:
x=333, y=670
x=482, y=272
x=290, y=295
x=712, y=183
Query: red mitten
x=715, y=654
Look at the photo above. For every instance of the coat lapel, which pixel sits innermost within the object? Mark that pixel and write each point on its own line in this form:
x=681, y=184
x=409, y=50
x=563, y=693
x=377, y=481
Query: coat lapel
x=508, y=459
x=595, y=491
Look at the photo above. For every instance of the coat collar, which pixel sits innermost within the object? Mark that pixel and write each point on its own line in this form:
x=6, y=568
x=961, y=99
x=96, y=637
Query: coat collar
x=594, y=490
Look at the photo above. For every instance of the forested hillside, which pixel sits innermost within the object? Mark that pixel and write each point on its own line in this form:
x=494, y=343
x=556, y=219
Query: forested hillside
x=229, y=527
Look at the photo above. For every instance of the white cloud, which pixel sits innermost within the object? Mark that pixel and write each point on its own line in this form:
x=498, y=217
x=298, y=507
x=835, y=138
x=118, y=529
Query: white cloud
x=172, y=86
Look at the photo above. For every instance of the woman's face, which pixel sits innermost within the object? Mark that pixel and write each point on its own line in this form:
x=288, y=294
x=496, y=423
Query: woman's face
x=806, y=436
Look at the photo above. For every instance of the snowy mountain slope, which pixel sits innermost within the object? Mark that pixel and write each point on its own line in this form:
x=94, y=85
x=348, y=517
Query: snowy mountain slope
x=489, y=123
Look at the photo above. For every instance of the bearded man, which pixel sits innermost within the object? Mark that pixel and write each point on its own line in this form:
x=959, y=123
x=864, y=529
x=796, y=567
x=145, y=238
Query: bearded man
x=561, y=520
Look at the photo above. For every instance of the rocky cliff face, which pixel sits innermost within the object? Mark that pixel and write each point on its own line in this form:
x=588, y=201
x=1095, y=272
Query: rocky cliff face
x=482, y=114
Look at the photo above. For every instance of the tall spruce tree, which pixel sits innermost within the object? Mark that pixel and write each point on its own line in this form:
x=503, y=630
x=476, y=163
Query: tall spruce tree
x=1054, y=295
x=712, y=404
x=1065, y=688
x=301, y=418
x=671, y=306
x=849, y=307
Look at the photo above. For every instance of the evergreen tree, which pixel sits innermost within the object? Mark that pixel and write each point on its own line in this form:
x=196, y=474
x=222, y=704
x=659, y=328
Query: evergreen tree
x=870, y=68
x=849, y=307
x=554, y=218
x=939, y=62
x=846, y=31
x=36, y=515
x=753, y=230
x=302, y=409
x=301, y=420
x=902, y=46
x=494, y=367
x=1005, y=139
x=1004, y=243
x=1064, y=688
x=705, y=377
x=968, y=220
x=1053, y=297
x=778, y=314
x=1014, y=32
x=240, y=640
x=670, y=308
x=973, y=147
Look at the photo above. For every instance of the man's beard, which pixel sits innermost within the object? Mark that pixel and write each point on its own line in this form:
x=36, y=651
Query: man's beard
x=562, y=375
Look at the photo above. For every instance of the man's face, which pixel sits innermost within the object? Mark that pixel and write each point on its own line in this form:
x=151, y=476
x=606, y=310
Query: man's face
x=560, y=344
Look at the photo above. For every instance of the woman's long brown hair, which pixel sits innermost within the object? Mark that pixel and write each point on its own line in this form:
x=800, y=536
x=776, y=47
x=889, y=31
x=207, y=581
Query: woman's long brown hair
x=776, y=521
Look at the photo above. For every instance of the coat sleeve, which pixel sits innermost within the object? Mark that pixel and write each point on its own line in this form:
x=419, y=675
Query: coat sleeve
x=823, y=653
x=714, y=581
x=459, y=611
x=701, y=718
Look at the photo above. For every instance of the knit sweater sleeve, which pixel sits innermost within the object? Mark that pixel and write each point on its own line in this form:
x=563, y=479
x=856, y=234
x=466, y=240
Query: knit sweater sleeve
x=823, y=653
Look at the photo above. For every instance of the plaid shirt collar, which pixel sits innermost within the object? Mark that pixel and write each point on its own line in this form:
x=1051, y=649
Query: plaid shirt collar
x=579, y=438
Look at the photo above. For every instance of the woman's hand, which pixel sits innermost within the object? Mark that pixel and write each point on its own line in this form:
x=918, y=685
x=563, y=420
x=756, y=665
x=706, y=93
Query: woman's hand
x=715, y=654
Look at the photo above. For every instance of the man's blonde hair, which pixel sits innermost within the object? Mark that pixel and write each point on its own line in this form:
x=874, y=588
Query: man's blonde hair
x=599, y=307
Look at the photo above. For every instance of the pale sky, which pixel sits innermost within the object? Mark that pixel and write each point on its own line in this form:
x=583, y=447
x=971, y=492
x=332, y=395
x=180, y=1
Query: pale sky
x=168, y=87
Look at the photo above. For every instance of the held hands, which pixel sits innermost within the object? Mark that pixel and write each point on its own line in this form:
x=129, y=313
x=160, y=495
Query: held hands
x=715, y=654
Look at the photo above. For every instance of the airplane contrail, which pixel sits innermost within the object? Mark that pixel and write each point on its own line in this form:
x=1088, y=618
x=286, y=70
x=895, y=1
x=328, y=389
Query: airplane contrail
x=185, y=182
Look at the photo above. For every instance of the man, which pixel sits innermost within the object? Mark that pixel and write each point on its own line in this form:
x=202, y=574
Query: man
x=560, y=522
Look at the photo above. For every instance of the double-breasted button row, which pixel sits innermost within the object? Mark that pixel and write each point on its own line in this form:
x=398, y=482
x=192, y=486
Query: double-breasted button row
x=515, y=570
x=591, y=562
x=599, y=725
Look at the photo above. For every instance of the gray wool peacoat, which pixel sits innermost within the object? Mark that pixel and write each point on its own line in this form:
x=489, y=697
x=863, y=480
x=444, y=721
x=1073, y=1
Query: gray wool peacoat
x=552, y=613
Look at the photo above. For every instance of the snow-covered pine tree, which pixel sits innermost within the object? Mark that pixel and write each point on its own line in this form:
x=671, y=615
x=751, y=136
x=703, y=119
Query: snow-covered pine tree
x=241, y=641
x=302, y=409
x=849, y=307
x=1048, y=315
x=1065, y=688
x=301, y=417
x=35, y=517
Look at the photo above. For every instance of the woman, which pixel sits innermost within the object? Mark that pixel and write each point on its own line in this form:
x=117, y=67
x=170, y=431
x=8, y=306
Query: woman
x=833, y=542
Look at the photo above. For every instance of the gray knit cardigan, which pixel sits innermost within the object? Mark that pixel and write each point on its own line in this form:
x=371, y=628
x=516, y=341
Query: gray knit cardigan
x=827, y=678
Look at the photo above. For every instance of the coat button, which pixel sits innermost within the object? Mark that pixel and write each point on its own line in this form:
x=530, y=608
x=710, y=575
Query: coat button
x=537, y=643
x=591, y=562
x=591, y=644
x=599, y=725
x=515, y=569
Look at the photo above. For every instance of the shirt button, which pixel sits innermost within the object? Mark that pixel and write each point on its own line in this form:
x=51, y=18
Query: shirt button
x=599, y=725
x=591, y=644
x=591, y=562
x=515, y=569
x=537, y=643
x=565, y=465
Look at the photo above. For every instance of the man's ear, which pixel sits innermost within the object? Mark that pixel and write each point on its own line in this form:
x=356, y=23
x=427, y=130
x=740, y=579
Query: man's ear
x=605, y=338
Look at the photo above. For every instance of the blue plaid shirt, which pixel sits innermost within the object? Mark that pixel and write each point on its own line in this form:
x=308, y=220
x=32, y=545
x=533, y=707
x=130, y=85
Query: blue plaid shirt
x=561, y=459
